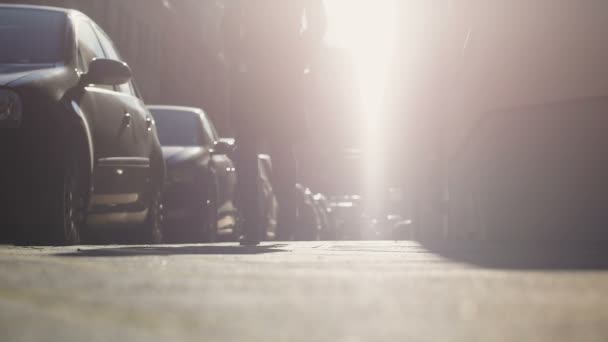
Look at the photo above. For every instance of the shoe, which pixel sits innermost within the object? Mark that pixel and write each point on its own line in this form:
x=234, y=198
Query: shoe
x=247, y=241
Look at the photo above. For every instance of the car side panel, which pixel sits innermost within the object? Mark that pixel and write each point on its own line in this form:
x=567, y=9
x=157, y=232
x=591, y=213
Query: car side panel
x=119, y=168
x=226, y=177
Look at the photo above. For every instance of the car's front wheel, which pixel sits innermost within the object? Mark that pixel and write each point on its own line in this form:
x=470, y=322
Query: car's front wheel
x=151, y=231
x=74, y=208
x=210, y=217
x=57, y=215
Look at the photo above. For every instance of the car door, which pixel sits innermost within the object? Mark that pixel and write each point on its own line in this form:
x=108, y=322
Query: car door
x=112, y=129
x=223, y=168
x=142, y=133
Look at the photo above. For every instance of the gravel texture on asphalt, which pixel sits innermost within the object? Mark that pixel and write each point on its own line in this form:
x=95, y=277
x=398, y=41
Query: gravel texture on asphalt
x=314, y=291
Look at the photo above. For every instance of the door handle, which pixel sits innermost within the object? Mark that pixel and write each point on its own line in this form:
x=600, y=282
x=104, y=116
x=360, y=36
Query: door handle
x=149, y=123
x=127, y=120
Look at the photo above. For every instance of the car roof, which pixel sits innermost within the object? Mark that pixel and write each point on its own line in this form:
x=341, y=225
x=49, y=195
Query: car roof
x=68, y=12
x=177, y=109
x=39, y=8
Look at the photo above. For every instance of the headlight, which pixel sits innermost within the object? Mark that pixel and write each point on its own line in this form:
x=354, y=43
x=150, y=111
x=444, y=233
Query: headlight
x=10, y=108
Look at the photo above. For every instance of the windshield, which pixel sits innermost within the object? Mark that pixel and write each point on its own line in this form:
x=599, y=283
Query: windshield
x=178, y=128
x=30, y=36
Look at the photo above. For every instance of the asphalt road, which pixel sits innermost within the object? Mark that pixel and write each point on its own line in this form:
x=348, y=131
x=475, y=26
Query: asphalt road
x=326, y=291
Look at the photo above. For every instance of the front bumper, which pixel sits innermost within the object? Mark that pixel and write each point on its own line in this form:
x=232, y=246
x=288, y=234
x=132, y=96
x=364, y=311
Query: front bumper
x=182, y=201
x=26, y=157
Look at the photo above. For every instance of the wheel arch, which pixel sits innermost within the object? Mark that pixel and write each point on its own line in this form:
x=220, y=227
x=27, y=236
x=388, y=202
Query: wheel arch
x=210, y=180
x=158, y=168
x=79, y=139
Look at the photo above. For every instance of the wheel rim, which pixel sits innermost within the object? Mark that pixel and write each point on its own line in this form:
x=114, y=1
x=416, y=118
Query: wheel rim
x=157, y=218
x=73, y=208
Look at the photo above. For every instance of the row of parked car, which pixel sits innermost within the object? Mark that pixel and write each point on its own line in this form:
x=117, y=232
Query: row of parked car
x=199, y=199
x=84, y=157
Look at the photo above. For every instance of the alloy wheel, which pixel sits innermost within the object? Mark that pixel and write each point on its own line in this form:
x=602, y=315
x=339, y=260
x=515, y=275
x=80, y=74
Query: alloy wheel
x=74, y=207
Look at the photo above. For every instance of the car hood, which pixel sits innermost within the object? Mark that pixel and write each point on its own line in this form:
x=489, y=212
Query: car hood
x=13, y=72
x=180, y=154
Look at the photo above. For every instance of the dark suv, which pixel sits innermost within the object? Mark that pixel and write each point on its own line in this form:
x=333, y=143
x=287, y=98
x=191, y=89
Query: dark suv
x=78, y=147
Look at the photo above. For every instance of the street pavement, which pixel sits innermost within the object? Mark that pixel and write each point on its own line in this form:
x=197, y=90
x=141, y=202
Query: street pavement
x=313, y=291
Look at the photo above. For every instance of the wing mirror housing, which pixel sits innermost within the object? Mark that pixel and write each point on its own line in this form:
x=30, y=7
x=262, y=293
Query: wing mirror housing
x=224, y=146
x=107, y=72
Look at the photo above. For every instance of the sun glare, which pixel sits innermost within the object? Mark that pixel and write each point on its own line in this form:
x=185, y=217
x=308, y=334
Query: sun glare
x=367, y=28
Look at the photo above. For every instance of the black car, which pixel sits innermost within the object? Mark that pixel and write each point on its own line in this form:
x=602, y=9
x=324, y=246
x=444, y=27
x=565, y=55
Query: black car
x=310, y=219
x=309, y=223
x=349, y=216
x=201, y=178
x=327, y=217
x=79, y=148
x=268, y=202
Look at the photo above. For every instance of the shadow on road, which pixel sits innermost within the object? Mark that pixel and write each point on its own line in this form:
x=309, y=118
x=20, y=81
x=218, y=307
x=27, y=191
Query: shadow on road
x=173, y=250
x=556, y=256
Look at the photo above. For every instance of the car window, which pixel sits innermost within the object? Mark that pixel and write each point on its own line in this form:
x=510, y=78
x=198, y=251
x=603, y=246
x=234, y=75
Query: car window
x=89, y=46
x=107, y=44
x=112, y=53
x=30, y=36
x=178, y=128
x=136, y=89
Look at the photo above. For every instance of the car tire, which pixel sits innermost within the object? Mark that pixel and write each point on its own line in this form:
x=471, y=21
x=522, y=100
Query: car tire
x=151, y=231
x=60, y=213
x=210, y=217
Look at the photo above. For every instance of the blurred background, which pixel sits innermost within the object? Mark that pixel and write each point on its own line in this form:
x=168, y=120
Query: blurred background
x=175, y=50
x=414, y=100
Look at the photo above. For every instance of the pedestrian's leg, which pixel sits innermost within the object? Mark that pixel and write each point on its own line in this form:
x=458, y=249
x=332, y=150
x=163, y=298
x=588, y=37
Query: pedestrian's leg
x=284, y=166
x=247, y=178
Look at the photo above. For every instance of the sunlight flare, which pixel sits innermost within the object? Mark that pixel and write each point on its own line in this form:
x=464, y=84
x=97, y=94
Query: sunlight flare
x=366, y=29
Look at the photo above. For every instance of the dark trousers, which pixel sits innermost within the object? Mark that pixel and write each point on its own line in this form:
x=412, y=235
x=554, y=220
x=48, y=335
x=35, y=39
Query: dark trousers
x=283, y=178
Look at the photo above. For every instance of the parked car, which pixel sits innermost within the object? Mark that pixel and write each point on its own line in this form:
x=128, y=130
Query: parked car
x=201, y=178
x=79, y=148
x=269, y=207
x=309, y=222
x=349, y=215
x=326, y=216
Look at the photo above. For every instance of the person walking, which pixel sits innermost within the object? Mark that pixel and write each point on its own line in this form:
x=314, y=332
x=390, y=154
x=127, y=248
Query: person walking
x=268, y=46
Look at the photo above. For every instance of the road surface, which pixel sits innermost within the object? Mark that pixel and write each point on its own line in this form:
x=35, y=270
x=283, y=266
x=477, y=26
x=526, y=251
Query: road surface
x=320, y=291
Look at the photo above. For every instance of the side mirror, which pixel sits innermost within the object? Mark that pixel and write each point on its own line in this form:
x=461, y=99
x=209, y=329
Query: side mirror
x=107, y=72
x=224, y=146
